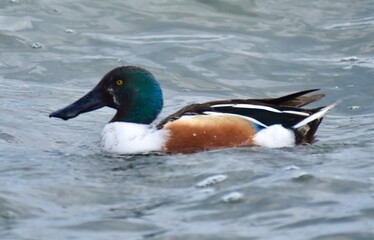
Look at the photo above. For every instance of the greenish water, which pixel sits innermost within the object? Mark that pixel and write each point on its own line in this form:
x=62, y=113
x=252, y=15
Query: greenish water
x=55, y=183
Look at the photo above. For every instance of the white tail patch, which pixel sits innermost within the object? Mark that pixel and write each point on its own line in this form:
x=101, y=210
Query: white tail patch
x=316, y=115
x=275, y=136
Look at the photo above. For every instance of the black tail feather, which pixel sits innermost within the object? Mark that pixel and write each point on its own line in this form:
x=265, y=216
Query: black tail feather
x=306, y=134
x=296, y=99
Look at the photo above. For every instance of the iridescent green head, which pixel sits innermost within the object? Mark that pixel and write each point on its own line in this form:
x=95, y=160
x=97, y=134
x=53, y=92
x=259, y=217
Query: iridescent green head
x=132, y=91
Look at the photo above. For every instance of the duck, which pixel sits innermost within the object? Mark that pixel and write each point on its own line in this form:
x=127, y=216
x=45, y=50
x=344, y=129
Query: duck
x=137, y=97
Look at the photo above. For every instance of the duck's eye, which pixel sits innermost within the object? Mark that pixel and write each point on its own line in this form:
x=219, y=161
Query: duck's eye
x=119, y=82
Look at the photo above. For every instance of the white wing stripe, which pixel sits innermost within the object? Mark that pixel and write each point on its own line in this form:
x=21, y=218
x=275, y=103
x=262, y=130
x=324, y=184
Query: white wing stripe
x=245, y=117
x=224, y=105
x=251, y=106
x=296, y=113
x=316, y=115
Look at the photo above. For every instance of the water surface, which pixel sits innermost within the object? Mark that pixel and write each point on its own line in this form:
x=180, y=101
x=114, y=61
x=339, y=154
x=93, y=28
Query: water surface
x=55, y=183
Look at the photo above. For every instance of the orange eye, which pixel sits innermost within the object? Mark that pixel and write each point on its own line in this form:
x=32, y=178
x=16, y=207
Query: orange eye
x=119, y=82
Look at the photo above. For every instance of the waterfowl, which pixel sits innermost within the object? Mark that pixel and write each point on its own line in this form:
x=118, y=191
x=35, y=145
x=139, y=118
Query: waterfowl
x=137, y=97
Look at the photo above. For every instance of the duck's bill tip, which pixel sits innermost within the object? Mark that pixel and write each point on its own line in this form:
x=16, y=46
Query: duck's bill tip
x=90, y=102
x=63, y=114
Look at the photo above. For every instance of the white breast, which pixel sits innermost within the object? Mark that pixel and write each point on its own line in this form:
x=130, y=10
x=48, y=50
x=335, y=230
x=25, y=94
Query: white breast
x=131, y=138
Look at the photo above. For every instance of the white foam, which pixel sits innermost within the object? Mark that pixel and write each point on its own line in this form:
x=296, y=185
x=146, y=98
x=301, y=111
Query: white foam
x=212, y=180
x=232, y=197
x=131, y=138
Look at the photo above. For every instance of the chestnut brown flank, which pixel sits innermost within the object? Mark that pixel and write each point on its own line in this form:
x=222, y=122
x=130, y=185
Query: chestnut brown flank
x=206, y=132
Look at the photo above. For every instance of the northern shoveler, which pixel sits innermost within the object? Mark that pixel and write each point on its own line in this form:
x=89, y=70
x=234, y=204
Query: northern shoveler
x=137, y=97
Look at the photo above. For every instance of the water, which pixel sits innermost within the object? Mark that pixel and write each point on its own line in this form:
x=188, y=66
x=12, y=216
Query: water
x=55, y=183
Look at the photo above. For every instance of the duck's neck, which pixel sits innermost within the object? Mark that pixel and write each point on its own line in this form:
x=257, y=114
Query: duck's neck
x=143, y=110
x=137, y=115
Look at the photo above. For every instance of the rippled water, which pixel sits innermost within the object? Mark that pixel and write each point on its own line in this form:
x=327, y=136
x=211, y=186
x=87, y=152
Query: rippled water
x=55, y=183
